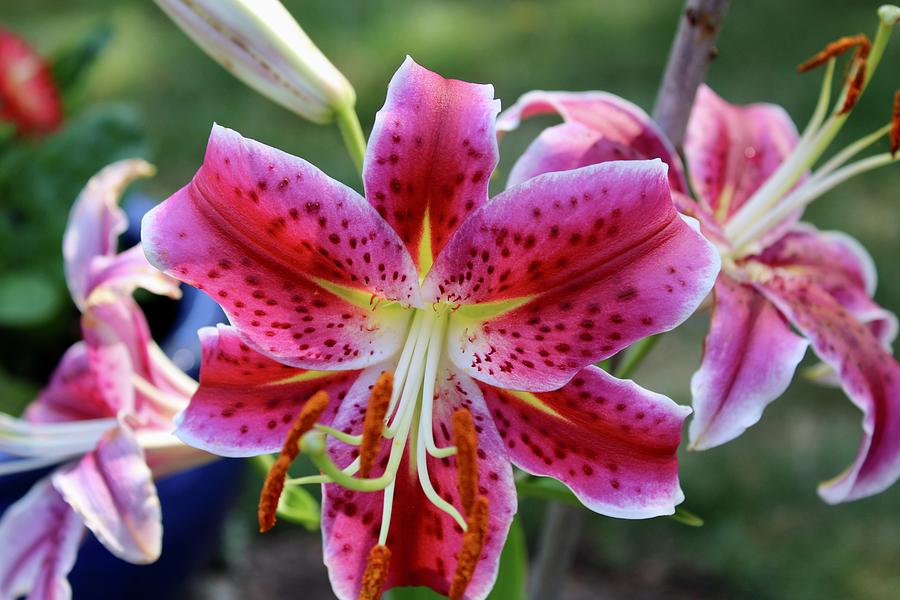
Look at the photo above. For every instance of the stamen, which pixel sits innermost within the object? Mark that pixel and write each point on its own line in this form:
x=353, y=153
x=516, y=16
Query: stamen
x=895, y=125
x=470, y=552
x=834, y=49
x=857, y=82
x=466, y=466
x=376, y=573
x=274, y=485
x=374, y=422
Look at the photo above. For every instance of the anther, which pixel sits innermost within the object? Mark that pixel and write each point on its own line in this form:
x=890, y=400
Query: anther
x=274, y=485
x=472, y=546
x=837, y=48
x=466, y=466
x=376, y=573
x=373, y=424
x=895, y=125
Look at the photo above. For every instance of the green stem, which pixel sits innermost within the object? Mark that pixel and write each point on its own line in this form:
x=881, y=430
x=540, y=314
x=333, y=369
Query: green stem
x=352, y=134
x=635, y=355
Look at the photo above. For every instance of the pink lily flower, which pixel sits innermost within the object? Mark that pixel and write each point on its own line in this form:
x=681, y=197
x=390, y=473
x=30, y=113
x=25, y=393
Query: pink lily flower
x=749, y=168
x=28, y=96
x=452, y=334
x=106, y=414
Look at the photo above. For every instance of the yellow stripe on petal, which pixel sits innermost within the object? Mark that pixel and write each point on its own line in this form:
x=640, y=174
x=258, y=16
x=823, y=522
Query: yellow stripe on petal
x=352, y=295
x=426, y=258
x=300, y=377
x=489, y=310
x=724, y=203
x=535, y=402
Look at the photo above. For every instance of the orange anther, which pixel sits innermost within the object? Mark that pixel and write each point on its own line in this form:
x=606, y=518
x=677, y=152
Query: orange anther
x=837, y=48
x=274, y=484
x=376, y=573
x=472, y=546
x=466, y=442
x=373, y=424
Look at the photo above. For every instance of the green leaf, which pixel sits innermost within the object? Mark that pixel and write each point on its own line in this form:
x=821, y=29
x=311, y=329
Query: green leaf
x=27, y=299
x=71, y=63
x=297, y=505
x=513, y=574
x=511, y=578
x=686, y=517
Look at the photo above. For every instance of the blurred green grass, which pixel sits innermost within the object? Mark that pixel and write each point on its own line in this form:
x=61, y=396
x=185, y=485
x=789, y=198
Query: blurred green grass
x=767, y=535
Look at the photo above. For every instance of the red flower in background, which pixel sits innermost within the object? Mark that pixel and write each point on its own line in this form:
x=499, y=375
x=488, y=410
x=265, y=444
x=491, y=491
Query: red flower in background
x=28, y=96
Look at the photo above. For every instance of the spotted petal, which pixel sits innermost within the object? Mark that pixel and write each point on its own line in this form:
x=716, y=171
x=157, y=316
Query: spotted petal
x=298, y=261
x=567, y=269
x=39, y=535
x=869, y=374
x=423, y=540
x=612, y=442
x=840, y=265
x=246, y=401
x=431, y=155
x=731, y=150
x=749, y=359
x=597, y=127
x=112, y=490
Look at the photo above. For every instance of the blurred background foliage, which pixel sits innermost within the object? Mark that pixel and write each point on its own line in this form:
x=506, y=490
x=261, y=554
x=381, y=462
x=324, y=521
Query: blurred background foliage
x=152, y=93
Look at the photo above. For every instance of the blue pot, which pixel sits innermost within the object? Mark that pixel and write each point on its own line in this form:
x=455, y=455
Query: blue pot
x=194, y=506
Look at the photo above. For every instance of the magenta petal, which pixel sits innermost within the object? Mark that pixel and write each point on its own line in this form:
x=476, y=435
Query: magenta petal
x=96, y=221
x=612, y=442
x=423, y=540
x=731, y=149
x=112, y=490
x=431, y=154
x=297, y=260
x=621, y=131
x=841, y=266
x=40, y=535
x=585, y=261
x=129, y=270
x=749, y=359
x=869, y=375
x=72, y=394
x=246, y=402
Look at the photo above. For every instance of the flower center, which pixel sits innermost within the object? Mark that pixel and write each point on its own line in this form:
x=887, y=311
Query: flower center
x=786, y=191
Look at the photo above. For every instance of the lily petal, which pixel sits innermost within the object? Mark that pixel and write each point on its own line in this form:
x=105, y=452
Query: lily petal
x=128, y=271
x=72, y=394
x=749, y=359
x=869, y=374
x=246, y=402
x=839, y=264
x=40, y=535
x=431, y=156
x=569, y=268
x=611, y=441
x=294, y=257
x=616, y=128
x=423, y=540
x=95, y=223
x=112, y=490
x=731, y=149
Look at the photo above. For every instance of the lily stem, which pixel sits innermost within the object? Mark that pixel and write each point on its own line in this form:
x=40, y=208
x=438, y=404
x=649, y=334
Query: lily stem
x=692, y=50
x=352, y=134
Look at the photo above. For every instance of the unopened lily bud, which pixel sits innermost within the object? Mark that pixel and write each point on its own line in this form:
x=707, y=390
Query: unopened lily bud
x=262, y=45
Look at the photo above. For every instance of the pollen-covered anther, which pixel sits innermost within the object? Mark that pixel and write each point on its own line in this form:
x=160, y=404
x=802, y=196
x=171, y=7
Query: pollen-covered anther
x=836, y=48
x=466, y=442
x=373, y=424
x=274, y=484
x=895, y=125
x=472, y=547
x=377, y=567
